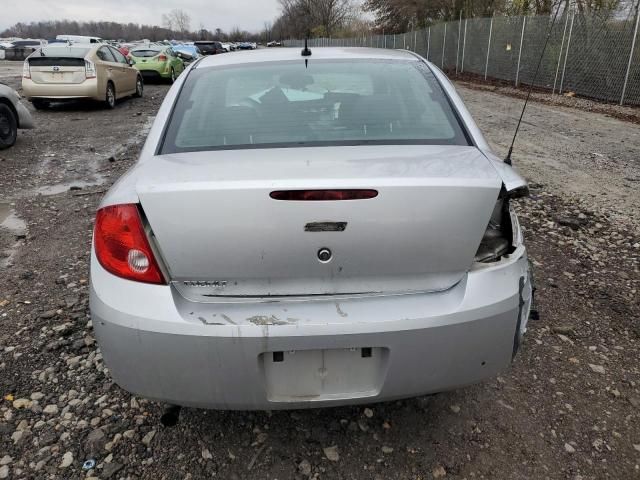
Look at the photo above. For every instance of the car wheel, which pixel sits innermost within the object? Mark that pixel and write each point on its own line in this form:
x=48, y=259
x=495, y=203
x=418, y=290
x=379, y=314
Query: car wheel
x=39, y=104
x=139, y=87
x=173, y=75
x=110, y=96
x=8, y=127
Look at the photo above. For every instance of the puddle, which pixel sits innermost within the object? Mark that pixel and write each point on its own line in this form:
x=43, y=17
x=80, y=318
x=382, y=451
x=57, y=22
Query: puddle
x=4, y=212
x=9, y=220
x=93, y=165
x=16, y=228
x=66, y=186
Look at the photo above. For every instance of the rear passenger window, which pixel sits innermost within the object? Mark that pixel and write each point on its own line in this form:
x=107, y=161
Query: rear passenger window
x=120, y=58
x=105, y=55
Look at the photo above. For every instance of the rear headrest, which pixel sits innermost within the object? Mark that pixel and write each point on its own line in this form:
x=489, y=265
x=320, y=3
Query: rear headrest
x=372, y=110
x=234, y=119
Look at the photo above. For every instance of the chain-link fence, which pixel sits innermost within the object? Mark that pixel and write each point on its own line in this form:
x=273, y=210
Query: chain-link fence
x=589, y=56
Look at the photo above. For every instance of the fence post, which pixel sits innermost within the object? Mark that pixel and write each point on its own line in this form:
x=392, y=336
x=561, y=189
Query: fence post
x=486, y=65
x=524, y=23
x=428, y=43
x=444, y=43
x=394, y=41
x=464, y=44
x=564, y=32
x=566, y=54
x=633, y=46
x=415, y=40
x=458, y=45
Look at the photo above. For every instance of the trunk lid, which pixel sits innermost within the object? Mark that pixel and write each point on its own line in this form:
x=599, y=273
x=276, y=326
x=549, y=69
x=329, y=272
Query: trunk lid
x=220, y=233
x=57, y=70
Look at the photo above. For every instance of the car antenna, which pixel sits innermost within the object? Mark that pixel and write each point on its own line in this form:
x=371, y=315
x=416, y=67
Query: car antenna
x=305, y=51
x=507, y=160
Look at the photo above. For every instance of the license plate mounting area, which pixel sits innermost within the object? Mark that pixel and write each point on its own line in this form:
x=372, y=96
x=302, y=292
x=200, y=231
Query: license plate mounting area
x=327, y=374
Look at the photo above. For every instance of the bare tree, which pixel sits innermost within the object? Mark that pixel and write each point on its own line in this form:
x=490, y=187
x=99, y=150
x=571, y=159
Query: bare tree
x=331, y=14
x=266, y=33
x=322, y=17
x=178, y=20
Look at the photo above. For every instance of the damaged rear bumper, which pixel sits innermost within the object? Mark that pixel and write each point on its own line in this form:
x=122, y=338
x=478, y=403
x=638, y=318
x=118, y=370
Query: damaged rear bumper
x=312, y=352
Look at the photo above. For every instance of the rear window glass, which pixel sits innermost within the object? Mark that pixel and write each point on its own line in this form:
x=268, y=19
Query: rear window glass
x=285, y=104
x=63, y=51
x=145, y=53
x=206, y=46
x=56, y=62
x=26, y=43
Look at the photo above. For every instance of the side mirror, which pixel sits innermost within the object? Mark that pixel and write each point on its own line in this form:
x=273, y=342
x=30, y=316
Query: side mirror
x=131, y=62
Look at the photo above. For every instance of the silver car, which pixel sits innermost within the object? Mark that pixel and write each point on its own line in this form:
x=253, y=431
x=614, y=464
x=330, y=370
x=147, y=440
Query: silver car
x=13, y=116
x=310, y=231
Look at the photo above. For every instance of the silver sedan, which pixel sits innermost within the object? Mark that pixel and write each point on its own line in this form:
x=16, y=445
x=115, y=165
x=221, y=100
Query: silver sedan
x=305, y=231
x=13, y=116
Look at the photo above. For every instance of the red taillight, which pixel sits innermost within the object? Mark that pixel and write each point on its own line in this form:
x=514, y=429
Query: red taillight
x=162, y=58
x=323, y=195
x=90, y=69
x=122, y=246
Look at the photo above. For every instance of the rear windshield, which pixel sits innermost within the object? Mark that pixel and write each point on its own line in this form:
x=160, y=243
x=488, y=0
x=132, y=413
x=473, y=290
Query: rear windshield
x=145, y=53
x=62, y=51
x=56, y=61
x=285, y=104
x=206, y=46
x=26, y=43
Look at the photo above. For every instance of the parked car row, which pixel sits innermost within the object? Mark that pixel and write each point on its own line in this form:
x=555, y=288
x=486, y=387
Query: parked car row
x=73, y=67
x=19, y=49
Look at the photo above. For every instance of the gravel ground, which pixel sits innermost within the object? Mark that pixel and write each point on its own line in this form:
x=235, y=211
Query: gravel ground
x=569, y=408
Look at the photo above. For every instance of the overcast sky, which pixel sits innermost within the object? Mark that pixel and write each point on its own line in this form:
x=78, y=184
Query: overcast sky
x=226, y=14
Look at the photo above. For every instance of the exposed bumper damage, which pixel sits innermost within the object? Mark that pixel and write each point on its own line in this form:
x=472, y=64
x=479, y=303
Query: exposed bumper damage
x=365, y=349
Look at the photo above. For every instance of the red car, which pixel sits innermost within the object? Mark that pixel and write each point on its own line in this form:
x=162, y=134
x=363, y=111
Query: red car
x=124, y=51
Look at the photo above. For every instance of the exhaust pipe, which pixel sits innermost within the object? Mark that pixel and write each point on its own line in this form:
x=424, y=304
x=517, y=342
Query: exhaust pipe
x=171, y=415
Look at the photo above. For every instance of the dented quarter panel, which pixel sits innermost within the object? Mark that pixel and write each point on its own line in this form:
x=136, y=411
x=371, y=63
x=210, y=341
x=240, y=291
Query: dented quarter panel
x=511, y=179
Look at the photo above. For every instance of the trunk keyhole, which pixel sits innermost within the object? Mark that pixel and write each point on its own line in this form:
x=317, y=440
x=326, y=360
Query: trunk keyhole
x=324, y=255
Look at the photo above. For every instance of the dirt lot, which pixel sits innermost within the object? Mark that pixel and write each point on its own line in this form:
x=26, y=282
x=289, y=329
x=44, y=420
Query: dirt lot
x=569, y=408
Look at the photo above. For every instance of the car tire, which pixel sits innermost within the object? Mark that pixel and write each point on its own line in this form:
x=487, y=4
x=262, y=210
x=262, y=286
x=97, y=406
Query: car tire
x=139, y=87
x=39, y=104
x=8, y=127
x=110, y=96
x=173, y=77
